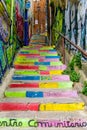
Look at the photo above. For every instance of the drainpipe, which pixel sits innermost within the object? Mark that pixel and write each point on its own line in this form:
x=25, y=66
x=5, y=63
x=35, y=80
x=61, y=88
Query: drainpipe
x=26, y=23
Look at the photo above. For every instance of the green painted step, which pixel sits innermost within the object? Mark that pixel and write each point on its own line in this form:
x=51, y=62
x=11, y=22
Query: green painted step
x=24, y=72
x=42, y=67
x=16, y=94
x=56, y=63
x=21, y=59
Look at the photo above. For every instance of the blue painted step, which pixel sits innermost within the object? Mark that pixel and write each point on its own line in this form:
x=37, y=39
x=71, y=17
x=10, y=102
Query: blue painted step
x=32, y=94
x=42, y=63
x=26, y=77
x=53, y=57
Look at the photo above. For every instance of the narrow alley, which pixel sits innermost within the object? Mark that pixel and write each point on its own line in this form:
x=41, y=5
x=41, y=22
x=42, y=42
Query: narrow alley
x=42, y=71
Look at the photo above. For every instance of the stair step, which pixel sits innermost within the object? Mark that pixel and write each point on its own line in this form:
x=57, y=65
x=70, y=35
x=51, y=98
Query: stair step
x=33, y=72
x=40, y=123
x=12, y=105
x=38, y=56
x=50, y=117
x=53, y=77
x=38, y=53
x=33, y=67
x=40, y=94
x=45, y=115
x=41, y=100
x=12, y=128
x=38, y=63
x=36, y=59
x=42, y=85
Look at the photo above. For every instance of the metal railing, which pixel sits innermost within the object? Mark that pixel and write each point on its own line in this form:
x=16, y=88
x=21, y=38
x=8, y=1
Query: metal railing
x=64, y=38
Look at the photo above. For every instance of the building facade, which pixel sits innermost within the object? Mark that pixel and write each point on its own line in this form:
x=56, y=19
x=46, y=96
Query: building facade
x=39, y=16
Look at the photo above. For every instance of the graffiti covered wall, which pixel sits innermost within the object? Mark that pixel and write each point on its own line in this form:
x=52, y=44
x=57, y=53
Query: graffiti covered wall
x=57, y=25
x=76, y=23
x=11, y=28
x=19, y=18
x=4, y=38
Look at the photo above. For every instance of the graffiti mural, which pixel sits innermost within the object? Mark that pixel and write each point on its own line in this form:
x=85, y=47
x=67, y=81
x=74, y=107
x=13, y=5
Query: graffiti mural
x=2, y=56
x=76, y=22
x=8, y=5
x=4, y=26
x=19, y=18
x=67, y=21
x=81, y=22
x=73, y=22
x=58, y=25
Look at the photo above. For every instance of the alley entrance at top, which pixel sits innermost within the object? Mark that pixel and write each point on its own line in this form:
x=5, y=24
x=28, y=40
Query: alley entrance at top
x=39, y=9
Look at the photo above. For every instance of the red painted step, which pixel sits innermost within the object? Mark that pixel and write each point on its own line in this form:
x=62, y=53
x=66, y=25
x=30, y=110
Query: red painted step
x=24, y=85
x=19, y=106
x=44, y=73
x=13, y=106
x=33, y=106
x=26, y=67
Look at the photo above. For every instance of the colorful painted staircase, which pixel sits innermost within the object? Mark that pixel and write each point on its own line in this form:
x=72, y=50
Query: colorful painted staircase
x=39, y=95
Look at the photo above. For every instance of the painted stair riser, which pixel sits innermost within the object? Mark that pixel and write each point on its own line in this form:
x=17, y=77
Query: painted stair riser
x=20, y=59
x=40, y=48
x=36, y=123
x=32, y=94
x=41, y=107
x=41, y=67
x=37, y=56
x=48, y=60
x=41, y=53
x=24, y=72
x=26, y=67
x=62, y=67
x=42, y=85
x=54, y=78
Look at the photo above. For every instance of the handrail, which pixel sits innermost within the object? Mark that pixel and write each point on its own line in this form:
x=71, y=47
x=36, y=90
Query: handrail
x=71, y=43
x=77, y=47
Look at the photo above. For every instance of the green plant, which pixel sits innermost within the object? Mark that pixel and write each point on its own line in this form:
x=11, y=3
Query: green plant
x=75, y=77
x=77, y=60
x=67, y=71
x=71, y=64
x=84, y=90
x=52, y=4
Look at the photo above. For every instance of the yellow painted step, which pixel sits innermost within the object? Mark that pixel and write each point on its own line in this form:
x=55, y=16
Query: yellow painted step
x=56, y=72
x=62, y=107
x=48, y=85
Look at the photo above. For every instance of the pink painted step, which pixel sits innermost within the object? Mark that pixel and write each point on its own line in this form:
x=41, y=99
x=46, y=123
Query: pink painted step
x=61, y=67
x=67, y=93
x=48, y=60
x=61, y=78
